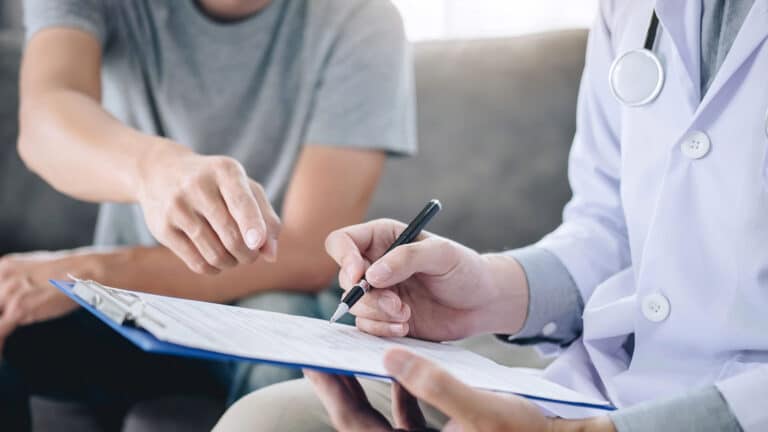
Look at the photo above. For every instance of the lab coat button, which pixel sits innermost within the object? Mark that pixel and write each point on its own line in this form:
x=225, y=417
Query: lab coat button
x=549, y=329
x=655, y=307
x=696, y=145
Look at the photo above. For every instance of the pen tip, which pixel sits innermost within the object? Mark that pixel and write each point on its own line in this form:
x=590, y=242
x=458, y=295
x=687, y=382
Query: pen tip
x=340, y=311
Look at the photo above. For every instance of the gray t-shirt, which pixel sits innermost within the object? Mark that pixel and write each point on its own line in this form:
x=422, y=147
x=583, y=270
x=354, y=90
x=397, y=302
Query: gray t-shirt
x=299, y=72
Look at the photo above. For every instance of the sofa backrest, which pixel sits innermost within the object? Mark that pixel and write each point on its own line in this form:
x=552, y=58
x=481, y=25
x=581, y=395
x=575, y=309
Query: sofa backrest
x=495, y=123
x=33, y=216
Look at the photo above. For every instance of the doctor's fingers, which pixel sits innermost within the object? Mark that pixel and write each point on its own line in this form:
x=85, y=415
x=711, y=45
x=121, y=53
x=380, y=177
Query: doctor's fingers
x=368, y=240
x=406, y=411
x=434, y=256
x=432, y=384
x=346, y=403
x=382, y=305
x=343, y=249
x=382, y=328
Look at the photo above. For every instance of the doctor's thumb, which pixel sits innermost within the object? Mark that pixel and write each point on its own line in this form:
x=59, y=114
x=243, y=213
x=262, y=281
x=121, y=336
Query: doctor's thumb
x=430, y=383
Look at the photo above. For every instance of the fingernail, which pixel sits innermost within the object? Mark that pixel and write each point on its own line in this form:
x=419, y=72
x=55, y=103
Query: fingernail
x=397, y=362
x=379, y=272
x=387, y=303
x=252, y=238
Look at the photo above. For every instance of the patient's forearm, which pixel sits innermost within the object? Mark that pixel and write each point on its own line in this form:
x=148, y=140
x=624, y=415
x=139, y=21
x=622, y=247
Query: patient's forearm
x=96, y=158
x=157, y=270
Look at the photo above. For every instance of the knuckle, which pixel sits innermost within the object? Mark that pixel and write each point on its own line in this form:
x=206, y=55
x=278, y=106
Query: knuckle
x=220, y=258
x=6, y=268
x=220, y=216
x=407, y=252
x=197, y=233
x=198, y=267
x=231, y=239
x=258, y=189
x=448, y=251
x=166, y=232
x=176, y=204
x=227, y=166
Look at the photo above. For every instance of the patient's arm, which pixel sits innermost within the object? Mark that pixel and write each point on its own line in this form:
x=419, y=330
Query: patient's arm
x=204, y=208
x=331, y=188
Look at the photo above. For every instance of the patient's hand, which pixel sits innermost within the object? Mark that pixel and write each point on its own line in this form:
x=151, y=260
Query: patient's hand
x=26, y=296
x=206, y=209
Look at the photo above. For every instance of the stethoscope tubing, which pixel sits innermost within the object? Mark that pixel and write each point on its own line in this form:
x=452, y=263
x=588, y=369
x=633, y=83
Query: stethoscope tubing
x=647, y=53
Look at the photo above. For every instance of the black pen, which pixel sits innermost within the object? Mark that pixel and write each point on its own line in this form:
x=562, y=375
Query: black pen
x=407, y=236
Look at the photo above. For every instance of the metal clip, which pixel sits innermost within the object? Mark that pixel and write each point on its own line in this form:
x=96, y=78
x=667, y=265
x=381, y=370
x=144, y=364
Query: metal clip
x=119, y=306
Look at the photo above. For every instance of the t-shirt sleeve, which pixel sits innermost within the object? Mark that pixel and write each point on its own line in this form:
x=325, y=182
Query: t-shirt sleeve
x=365, y=95
x=87, y=15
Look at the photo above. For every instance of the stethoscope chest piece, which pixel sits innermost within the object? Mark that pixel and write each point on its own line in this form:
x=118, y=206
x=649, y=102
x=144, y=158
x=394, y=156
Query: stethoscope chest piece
x=636, y=77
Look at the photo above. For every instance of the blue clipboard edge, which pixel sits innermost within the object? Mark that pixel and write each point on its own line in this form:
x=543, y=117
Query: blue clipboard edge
x=149, y=343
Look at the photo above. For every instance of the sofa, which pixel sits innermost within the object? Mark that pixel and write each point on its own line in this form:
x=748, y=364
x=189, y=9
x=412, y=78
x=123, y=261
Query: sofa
x=495, y=122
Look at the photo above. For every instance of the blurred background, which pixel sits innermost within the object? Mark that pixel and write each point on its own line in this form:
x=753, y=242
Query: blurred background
x=462, y=19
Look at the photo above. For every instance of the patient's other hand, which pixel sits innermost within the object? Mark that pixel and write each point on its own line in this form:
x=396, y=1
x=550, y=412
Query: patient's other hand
x=26, y=296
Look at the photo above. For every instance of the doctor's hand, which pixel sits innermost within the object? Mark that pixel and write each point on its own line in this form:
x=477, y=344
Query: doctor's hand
x=26, y=296
x=206, y=209
x=469, y=410
x=433, y=288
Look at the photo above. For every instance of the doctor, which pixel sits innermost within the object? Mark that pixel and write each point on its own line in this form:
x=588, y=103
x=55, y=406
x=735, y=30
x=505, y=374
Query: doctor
x=655, y=286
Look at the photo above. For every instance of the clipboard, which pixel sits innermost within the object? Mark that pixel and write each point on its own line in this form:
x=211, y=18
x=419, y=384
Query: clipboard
x=126, y=319
x=128, y=315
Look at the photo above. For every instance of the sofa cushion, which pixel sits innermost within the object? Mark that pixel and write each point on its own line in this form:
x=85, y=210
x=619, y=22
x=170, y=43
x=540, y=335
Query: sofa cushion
x=495, y=122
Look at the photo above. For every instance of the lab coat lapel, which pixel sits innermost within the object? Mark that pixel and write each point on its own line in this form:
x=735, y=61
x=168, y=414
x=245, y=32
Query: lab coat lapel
x=750, y=37
x=681, y=22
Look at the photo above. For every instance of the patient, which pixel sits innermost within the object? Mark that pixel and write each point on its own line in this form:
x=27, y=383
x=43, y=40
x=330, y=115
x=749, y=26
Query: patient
x=189, y=120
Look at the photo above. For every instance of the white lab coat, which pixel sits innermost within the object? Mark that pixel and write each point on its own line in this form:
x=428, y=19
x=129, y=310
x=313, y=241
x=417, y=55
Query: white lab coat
x=666, y=235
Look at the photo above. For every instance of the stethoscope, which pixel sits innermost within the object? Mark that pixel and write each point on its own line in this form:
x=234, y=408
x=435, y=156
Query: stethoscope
x=636, y=76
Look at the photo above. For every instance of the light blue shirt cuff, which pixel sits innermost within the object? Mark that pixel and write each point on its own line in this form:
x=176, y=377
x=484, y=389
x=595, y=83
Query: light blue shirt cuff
x=702, y=410
x=554, y=303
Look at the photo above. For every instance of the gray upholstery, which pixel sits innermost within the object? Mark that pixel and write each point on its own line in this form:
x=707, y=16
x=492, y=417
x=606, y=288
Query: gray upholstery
x=32, y=215
x=496, y=119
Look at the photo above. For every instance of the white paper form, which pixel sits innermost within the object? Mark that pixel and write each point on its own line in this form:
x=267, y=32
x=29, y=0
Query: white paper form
x=313, y=342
